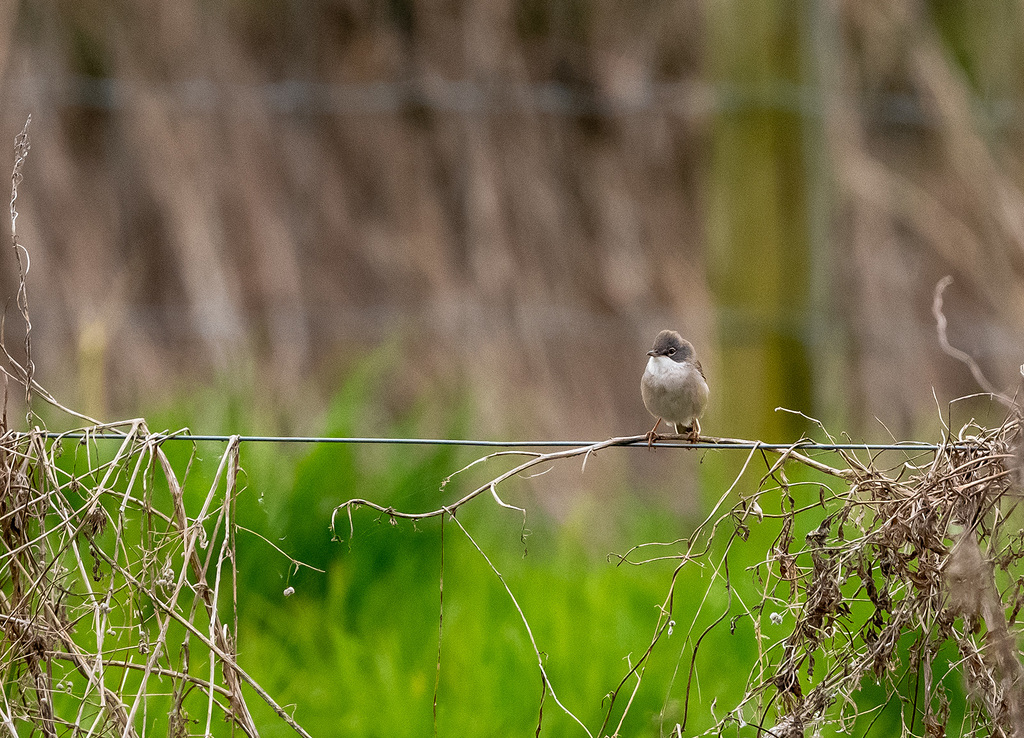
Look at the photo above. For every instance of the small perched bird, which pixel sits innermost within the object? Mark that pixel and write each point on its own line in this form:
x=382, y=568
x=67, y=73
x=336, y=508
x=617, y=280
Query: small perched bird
x=673, y=386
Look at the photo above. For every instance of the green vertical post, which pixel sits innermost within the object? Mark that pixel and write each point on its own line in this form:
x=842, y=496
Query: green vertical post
x=758, y=243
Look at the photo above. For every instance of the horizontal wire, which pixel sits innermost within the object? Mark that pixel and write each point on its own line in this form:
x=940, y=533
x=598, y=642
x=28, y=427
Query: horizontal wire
x=806, y=446
x=685, y=98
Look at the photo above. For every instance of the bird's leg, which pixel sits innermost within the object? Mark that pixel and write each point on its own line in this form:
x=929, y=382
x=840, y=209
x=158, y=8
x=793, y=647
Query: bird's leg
x=694, y=434
x=652, y=434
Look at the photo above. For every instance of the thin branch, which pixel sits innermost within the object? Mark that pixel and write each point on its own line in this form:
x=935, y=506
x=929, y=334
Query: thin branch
x=21, y=149
x=585, y=451
x=526, y=625
x=961, y=356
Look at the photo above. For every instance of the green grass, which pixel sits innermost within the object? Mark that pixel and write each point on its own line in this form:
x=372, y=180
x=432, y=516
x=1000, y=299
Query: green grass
x=354, y=650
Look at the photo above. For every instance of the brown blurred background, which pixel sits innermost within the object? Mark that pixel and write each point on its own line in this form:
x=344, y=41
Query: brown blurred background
x=514, y=196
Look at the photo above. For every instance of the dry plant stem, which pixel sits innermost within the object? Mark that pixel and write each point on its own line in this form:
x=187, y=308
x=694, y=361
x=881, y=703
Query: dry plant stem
x=191, y=534
x=170, y=610
x=94, y=678
x=296, y=564
x=159, y=670
x=250, y=729
x=5, y=719
x=666, y=609
x=968, y=360
x=526, y=624
x=440, y=623
x=540, y=458
x=21, y=149
x=230, y=461
x=710, y=522
x=969, y=562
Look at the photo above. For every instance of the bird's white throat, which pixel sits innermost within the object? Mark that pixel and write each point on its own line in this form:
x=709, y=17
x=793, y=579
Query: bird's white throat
x=661, y=365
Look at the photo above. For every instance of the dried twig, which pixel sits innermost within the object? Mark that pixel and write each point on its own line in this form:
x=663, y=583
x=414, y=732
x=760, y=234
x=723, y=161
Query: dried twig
x=26, y=371
x=961, y=356
x=535, y=458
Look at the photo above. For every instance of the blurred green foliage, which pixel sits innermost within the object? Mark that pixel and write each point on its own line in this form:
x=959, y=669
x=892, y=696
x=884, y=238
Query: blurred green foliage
x=354, y=650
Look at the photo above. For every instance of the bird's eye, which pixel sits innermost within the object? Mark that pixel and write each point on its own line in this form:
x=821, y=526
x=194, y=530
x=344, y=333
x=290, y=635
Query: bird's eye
x=671, y=351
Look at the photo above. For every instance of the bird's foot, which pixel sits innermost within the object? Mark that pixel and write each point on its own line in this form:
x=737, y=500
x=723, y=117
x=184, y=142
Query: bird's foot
x=652, y=436
x=693, y=432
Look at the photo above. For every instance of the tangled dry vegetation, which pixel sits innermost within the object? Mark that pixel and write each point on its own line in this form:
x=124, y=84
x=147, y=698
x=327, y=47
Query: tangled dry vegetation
x=901, y=566
x=898, y=565
x=117, y=603
x=110, y=593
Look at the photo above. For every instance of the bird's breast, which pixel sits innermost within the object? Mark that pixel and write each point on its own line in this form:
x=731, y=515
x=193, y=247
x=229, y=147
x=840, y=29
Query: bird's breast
x=673, y=391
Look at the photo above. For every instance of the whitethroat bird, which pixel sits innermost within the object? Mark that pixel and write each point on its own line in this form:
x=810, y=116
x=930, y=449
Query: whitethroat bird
x=673, y=386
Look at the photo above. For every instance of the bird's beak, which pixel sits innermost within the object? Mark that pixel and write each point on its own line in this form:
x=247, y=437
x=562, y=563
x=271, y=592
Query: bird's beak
x=652, y=352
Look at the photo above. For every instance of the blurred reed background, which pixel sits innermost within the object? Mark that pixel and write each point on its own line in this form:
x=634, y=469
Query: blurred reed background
x=514, y=196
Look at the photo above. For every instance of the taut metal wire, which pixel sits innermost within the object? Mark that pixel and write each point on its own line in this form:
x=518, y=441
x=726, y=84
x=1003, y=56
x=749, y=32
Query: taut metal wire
x=803, y=445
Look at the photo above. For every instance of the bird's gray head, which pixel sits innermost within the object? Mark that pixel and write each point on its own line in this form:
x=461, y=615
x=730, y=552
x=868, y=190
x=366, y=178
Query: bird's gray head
x=672, y=345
